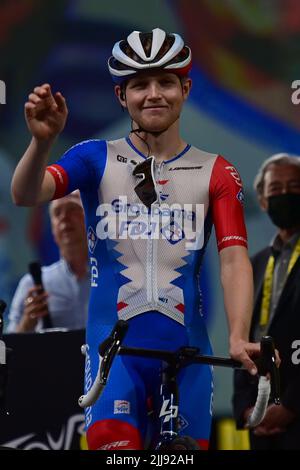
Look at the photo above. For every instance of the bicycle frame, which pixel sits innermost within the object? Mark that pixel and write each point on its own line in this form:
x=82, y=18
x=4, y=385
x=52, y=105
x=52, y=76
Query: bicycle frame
x=173, y=362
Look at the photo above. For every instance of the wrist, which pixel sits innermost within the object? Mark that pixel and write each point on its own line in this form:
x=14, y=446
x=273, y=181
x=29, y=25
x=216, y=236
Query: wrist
x=236, y=339
x=26, y=325
x=43, y=145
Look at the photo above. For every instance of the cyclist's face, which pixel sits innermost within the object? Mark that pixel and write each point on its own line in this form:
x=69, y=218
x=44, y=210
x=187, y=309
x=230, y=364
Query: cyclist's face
x=154, y=99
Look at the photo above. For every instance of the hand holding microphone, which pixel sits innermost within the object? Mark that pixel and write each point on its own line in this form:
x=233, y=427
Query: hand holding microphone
x=35, y=305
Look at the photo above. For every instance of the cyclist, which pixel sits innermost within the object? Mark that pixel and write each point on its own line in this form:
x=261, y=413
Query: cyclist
x=152, y=281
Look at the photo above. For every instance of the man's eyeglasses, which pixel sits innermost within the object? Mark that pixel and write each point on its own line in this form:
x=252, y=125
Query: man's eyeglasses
x=146, y=188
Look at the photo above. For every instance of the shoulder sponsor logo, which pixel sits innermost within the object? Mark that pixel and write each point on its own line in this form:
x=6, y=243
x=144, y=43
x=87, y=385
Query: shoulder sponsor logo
x=121, y=159
x=175, y=168
x=240, y=196
x=235, y=175
x=92, y=239
x=121, y=407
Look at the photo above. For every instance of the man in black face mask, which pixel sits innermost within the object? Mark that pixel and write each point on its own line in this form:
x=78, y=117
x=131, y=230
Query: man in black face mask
x=277, y=305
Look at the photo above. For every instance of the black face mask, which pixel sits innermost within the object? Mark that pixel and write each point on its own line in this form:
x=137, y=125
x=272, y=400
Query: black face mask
x=284, y=210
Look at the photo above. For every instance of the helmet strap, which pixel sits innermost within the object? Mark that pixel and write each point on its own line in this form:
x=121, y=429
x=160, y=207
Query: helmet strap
x=136, y=132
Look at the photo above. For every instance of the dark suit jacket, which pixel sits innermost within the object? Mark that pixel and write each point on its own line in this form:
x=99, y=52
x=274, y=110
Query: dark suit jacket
x=285, y=329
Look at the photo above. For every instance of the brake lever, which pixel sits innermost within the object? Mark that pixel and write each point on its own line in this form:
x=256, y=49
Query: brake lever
x=110, y=346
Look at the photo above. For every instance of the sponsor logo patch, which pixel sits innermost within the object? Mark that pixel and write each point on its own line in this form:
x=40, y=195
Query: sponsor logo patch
x=235, y=175
x=232, y=237
x=240, y=196
x=121, y=159
x=175, y=168
x=182, y=423
x=113, y=445
x=92, y=239
x=121, y=407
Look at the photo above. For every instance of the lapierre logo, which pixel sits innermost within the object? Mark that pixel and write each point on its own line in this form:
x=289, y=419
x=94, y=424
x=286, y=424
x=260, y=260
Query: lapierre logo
x=2, y=92
x=168, y=411
x=185, y=168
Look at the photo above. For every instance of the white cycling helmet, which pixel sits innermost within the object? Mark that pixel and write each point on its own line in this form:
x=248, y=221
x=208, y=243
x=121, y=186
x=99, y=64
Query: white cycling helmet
x=144, y=51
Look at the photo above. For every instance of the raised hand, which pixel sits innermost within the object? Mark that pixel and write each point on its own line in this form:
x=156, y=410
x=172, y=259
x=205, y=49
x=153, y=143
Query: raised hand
x=45, y=113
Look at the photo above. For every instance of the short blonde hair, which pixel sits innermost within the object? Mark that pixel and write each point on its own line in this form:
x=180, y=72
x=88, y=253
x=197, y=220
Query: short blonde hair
x=74, y=196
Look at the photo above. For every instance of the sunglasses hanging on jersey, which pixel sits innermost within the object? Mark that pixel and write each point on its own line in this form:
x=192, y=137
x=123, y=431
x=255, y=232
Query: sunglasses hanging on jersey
x=146, y=187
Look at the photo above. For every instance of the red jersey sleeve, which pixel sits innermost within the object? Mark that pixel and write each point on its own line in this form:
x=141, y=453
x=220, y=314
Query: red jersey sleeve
x=81, y=167
x=226, y=202
x=61, y=180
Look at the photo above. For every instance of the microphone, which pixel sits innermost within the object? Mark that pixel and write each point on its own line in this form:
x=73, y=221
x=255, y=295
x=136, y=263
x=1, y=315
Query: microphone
x=34, y=269
x=2, y=344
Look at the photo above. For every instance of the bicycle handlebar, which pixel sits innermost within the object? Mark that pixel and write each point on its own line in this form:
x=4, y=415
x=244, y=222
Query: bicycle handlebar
x=266, y=365
x=184, y=356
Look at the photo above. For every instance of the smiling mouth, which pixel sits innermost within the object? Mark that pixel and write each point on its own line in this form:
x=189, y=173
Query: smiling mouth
x=155, y=107
x=66, y=229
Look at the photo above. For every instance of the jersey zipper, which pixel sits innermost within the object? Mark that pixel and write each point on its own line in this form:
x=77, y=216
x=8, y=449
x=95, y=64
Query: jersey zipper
x=152, y=248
